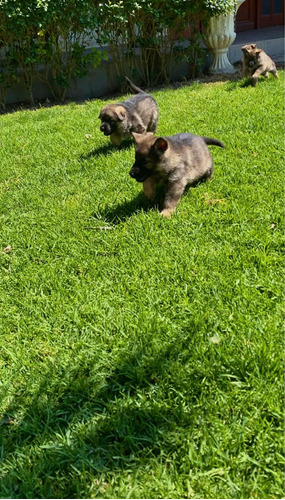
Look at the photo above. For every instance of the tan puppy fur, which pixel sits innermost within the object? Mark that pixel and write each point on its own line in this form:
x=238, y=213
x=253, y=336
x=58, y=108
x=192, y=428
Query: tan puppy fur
x=137, y=114
x=256, y=62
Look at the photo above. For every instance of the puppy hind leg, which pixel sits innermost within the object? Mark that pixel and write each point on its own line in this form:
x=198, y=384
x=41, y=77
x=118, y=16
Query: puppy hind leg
x=274, y=72
x=152, y=127
x=139, y=127
x=210, y=172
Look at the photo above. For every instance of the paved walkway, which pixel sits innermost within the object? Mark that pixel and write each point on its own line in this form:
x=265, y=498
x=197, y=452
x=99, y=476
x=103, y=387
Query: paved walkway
x=260, y=34
x=269, y=39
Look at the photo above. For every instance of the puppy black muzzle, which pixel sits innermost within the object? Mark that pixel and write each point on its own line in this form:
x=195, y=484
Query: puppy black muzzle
x=139, y=173
x=106, y=128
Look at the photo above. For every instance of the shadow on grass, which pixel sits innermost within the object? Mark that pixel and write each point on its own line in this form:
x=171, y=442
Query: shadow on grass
x=78, y=422
x=120, y=213
x=246, y=82
x=115, y=214
x=107, y=149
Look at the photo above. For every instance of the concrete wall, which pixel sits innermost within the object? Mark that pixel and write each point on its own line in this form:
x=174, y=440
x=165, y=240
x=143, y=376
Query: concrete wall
x=100, y=81
x=103, y=80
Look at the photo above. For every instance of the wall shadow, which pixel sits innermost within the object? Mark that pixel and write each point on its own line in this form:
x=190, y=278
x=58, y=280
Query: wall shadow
x=79, y=421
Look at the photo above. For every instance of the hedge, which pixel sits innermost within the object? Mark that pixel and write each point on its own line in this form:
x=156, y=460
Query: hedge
x=46, y=39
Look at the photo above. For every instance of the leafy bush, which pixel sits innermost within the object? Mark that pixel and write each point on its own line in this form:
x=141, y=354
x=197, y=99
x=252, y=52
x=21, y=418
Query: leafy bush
x=46, y=39
x=217, y=7
x=148, y=35
x=160, y=32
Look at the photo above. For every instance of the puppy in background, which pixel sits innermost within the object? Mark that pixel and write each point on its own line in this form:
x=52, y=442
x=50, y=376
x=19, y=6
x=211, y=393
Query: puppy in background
x=176, y=161
x=256, y=62
x=137, y=114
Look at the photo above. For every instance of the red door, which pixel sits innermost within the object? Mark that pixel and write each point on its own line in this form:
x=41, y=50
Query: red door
x=254, y=14
x=246, y=16
x=270, y=13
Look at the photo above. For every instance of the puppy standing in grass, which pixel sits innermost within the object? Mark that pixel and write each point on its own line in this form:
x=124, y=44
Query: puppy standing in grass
x=176, y=161
x=256, y=62
x=137, y=114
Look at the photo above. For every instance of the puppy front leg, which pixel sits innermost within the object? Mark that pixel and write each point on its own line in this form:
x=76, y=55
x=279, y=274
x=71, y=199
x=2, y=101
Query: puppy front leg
x=173, y=194
x=255, y=76
x=246, y=72
x=139, y=127
x=115, y=139
x=149, y=188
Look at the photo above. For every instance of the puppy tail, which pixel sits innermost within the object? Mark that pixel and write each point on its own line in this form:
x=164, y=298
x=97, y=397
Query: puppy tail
x=213, y=142
x=134, y=87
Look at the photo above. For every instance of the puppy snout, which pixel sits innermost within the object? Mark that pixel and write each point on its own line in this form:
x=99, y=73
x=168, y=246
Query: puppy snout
x=140, y=174
x=106, y=128
x=134, y=172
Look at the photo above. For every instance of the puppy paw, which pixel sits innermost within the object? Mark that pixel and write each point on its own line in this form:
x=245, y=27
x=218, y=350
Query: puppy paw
x=166, y=212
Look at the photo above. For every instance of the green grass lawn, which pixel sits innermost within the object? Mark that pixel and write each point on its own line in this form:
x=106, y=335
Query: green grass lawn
x=142, y=357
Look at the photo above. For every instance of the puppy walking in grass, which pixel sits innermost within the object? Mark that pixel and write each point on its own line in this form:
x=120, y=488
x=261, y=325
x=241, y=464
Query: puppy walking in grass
x=256, y=63
x=177, y=161
x=137, y=114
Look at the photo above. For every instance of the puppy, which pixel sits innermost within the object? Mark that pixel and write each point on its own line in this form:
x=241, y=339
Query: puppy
x=176, y=161
x=137, y=114
x=256, y=62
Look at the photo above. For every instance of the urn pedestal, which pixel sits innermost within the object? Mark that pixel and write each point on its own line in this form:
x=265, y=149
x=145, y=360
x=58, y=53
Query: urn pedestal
x=220, y=34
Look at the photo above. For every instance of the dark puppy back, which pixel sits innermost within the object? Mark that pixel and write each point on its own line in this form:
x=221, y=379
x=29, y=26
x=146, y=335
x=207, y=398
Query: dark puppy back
x=133, y=102
x=187, y=139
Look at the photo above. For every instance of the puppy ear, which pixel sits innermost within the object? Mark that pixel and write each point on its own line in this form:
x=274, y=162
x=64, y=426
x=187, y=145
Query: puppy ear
x=258, y=51
x=161, y=145
x=121, y=113
x=245, y=49
x=136, y=137
x=253, y=45
x=102, y=112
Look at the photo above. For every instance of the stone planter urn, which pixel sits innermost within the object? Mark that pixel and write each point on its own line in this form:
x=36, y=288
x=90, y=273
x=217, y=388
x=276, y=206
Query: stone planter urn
x=220, y=34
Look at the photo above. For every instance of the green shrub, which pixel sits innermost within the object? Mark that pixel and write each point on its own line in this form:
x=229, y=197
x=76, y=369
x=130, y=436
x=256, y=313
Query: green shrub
x=148, y=35
x=160, y=32
x=46, y=39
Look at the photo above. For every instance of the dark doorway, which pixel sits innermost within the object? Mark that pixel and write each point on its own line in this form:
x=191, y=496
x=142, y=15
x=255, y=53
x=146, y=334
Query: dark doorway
x=254, y=14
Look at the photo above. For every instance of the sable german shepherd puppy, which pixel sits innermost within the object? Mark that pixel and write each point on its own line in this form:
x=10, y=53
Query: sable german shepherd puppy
x=176, y=161
x=137, y=114
x=256, y=62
